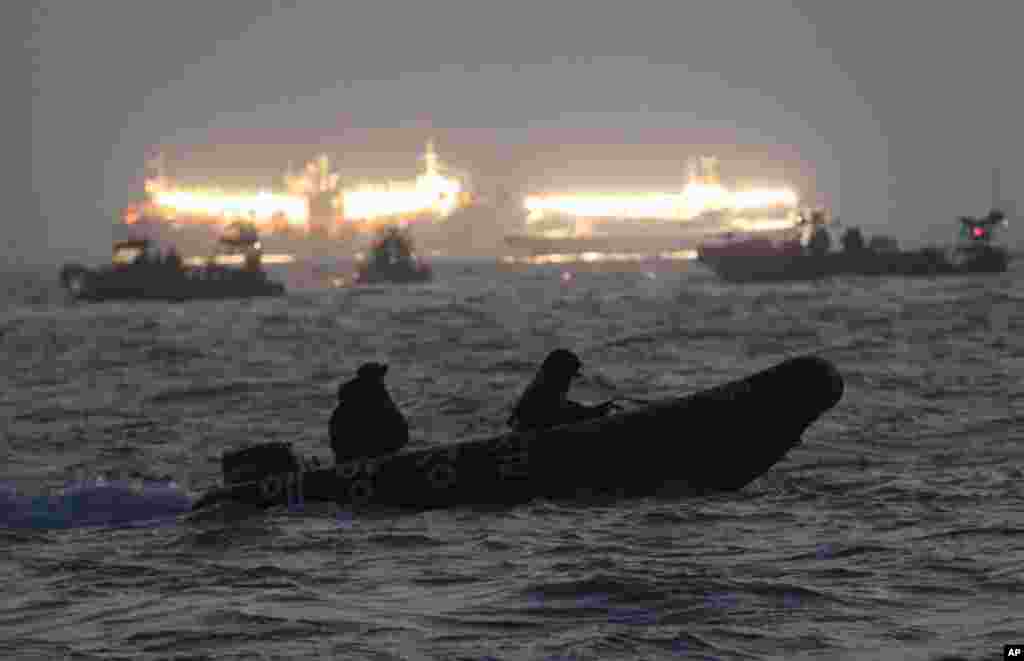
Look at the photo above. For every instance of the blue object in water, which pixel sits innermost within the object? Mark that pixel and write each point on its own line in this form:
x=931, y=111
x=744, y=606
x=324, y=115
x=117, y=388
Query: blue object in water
x=92, y=504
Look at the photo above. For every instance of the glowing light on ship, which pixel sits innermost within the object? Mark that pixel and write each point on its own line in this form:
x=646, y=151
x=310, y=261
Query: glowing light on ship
x=762, y=225
x=609, y=205
x=260, y=207
x=702, y=194
x=431, y=192
x=314, y=179
x=210, y=205
x=761, y=199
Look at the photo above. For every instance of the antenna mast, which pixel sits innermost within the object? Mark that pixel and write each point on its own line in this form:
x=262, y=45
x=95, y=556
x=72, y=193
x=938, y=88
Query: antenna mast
x=997, y=197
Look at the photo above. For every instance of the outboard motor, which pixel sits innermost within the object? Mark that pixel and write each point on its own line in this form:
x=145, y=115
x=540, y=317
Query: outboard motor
x=257, y=462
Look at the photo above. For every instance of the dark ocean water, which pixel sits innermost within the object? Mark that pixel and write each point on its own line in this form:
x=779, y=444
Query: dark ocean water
x=896, y=531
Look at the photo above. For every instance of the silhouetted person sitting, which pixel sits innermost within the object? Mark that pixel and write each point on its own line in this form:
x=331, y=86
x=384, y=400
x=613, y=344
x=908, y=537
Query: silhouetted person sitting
x=366, y=422
x=545, y=402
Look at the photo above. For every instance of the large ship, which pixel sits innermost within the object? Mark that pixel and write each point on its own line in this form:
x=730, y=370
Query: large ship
x=313, y=222
x=564, y=228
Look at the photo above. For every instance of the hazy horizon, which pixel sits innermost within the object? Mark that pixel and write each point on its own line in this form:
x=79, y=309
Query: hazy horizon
x=915, y=107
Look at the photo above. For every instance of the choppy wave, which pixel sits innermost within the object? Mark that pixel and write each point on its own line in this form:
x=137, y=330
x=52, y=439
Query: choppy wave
x=892, y=532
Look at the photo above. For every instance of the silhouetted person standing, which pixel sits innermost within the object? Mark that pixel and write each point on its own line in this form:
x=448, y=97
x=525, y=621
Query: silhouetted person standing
x=853, y=241
x=820, y=243
x=366, y=422
x=173, y=260
x=546, y=403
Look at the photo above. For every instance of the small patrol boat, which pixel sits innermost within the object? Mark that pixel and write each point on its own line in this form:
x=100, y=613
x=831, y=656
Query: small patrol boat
x=138, y=272
x=392, y=259
x=809, y=256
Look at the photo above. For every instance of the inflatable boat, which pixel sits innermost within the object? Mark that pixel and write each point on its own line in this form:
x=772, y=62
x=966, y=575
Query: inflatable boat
x=717, y=439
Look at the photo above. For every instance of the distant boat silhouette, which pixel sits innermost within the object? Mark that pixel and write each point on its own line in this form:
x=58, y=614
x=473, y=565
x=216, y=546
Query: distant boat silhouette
x=137, y=272
x=392, y=260
x=750, y=258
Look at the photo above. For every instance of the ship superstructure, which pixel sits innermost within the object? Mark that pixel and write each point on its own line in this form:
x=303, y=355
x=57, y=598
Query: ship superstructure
x=617, y=225
x=314, y=218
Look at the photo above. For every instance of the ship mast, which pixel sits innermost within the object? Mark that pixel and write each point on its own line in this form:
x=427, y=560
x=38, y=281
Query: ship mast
x=157, y=165
x=709, y=170
x=433, y=162
x=155, y=176
x=997, y=197
x=702, y=170
x=691, y=172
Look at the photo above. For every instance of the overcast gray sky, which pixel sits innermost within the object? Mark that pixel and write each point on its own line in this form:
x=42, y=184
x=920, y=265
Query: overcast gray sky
x=892, y=116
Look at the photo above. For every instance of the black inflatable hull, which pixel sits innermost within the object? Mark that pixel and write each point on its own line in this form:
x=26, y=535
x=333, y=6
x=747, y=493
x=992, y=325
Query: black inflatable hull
x=745, y=268
x=94, y=286
x=718, y=439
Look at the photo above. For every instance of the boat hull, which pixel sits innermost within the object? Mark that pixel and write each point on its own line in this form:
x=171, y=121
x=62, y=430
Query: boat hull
x=394, y=276
x=767, y=268
x=161, y=284
x=722, y=438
